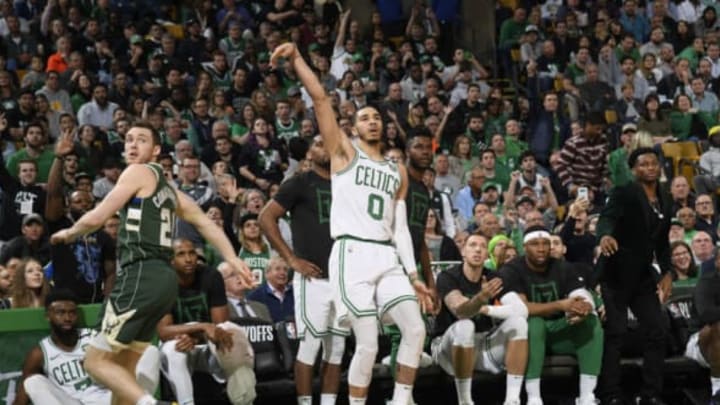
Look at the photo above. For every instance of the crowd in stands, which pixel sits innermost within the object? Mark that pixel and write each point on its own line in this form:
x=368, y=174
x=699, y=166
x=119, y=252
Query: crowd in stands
x=537, y=137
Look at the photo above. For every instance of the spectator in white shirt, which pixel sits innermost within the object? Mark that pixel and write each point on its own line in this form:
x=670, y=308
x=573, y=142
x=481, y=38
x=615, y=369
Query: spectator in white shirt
x=98, y=112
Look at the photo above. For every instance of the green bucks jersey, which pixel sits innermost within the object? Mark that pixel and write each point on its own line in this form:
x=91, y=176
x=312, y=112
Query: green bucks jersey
x=146, y=224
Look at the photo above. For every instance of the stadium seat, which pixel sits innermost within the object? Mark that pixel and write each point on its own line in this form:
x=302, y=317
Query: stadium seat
x=683, y=158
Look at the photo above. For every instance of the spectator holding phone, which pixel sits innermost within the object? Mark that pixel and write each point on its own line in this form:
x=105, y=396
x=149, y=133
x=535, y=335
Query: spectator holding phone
x=583, y=159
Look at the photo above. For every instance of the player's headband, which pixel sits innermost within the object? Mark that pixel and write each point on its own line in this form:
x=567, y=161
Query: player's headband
x=536, y=235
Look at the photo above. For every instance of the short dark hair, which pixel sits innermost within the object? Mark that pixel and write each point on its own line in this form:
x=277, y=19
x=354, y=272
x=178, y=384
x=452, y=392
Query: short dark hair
x=487, y=150
x=526, y=154
x=60, y=294
x=26, y=90
x=595, y=118
x=164, y=156
x=222, y=137
x=31, y=161
x=146, y=125
x=35, y=123
x=421, y=131
x=369, y=105
x=635, y=155
x=476, y=114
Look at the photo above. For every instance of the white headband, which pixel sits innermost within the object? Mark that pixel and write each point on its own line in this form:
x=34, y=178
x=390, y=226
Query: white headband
x=536, y=235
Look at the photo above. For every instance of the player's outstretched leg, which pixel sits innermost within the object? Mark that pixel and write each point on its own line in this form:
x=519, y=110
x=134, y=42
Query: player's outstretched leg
x=366, y=347
x=406, y=315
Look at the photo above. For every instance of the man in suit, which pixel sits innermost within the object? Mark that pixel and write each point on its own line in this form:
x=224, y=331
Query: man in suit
x=238, y=305
x=276, y=293
x=632, y=230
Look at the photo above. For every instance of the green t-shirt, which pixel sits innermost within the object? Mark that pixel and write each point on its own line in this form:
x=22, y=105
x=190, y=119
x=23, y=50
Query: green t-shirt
x=44, y=162
x=510, y=32
x=77, y=100
x=515, y=147
x=691, y=55
x=681, y=123
x=620, y=173
x=502, y=176
x=576, y=74
x=634, y=53
x=494, y=125
x=689, y=282
x=510, y=163
x=238, y=130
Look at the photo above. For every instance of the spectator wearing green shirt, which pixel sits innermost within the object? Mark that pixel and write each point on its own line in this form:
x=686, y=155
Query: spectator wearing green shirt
x=514, y=147
x=630, y=139
x=495, y=119
x=494, y=172
x=684, y=269
x=693, y=53
x=512, y=29
x=497, y=144
x=688, y=219
x=575, y=71
x=35, y=149
x=687, y=122
x=627, y=48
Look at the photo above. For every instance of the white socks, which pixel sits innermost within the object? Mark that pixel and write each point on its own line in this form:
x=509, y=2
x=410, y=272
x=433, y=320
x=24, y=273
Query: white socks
x=513, y=385
x=463, y=386
x=357, y=401
x=327, y=399
x=146, y=399
x=532, y=387
x=715, y=382
x=587, y=386
x=304, y=400
x=402, y=394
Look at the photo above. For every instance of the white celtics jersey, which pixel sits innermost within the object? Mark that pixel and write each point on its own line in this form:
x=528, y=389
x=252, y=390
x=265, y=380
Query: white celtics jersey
x=363, y=199
x=65, y=369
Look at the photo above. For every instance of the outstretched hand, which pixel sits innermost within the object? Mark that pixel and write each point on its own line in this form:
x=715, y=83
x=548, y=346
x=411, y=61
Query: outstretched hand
x=286, y=50
x=246, y=278
x=65, y=144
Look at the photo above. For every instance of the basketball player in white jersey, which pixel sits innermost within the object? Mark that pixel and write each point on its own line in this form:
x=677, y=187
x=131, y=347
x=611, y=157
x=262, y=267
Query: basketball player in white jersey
x=53, y=373
x=369, y=224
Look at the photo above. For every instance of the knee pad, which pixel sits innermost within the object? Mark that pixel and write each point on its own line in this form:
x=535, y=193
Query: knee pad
x=366, y=348
x=333, y=349
x=33, y=384
x=516, y=328
x=412, y=329
x=308, y=349
x=463, y=333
